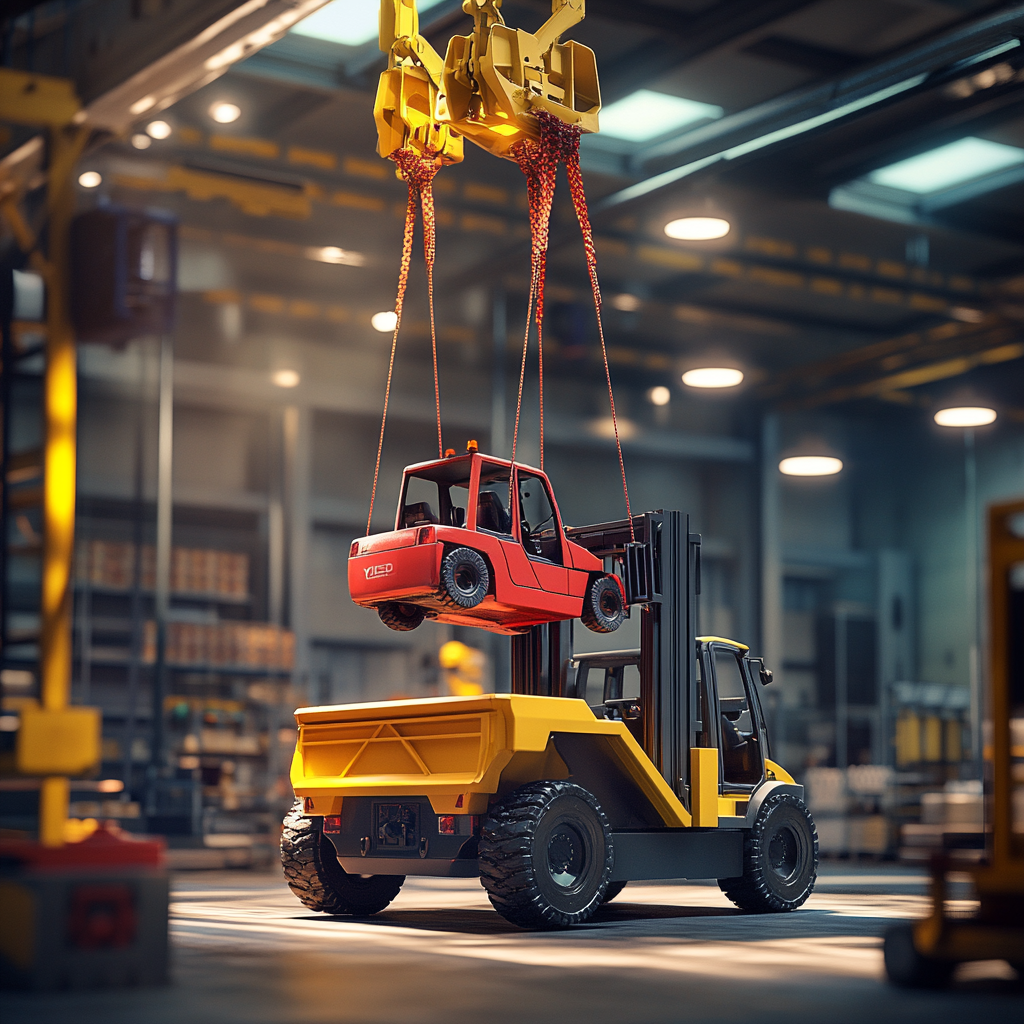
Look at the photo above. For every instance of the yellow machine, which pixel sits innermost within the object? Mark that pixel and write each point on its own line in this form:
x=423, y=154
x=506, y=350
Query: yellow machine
x=489, y=86
x=553, y=798
x=924, y=954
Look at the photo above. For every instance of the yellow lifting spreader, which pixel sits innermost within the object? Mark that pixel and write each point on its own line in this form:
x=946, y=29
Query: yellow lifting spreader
x=488, y=88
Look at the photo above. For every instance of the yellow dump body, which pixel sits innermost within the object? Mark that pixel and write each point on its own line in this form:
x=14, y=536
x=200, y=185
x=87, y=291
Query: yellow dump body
x=457, y=751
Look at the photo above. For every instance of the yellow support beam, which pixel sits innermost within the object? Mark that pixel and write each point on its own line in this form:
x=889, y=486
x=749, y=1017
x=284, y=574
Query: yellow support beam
x=37, y=100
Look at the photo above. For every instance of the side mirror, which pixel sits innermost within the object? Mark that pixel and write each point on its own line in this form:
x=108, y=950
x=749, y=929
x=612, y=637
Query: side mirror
x=766, y=675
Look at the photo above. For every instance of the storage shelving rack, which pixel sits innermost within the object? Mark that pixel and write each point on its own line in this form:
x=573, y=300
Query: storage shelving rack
x=223, y=715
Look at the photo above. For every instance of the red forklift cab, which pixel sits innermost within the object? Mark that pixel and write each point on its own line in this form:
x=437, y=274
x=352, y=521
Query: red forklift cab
x=467, y=552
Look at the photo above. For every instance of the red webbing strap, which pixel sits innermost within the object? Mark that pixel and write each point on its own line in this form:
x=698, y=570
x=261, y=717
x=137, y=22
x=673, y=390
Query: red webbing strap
x=579, y=202
x=539, y=162
x=418, y=172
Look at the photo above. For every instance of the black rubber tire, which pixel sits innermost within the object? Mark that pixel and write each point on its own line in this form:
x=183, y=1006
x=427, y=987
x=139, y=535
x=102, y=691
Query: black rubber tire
x=546, y=855
x=906, y=967
x=603, y=608
x=613, y=890
x=465, y=578
x=400, y=616
x=780, y=858
x=313, y=873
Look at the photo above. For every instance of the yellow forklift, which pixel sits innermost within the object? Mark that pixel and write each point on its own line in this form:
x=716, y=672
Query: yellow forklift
x=555, y=795
x=924, y=954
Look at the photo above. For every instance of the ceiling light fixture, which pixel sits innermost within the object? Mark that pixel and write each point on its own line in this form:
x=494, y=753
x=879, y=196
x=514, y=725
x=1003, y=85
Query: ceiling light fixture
x=158, y=129
x=90, y=179
x=810, y=465
x=604, y=427
x=225, y=113
x=141, y=141
x=659, y=395
x=626, y=302
x=967, y=314
x=697, y=229
x=384, y=322
x=286, y=378
x=645, y=114
x=332, y=254
x=965, y=416
x=713, y=377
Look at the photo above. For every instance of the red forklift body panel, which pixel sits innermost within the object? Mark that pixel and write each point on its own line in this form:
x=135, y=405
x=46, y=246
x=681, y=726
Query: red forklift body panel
x=545, y=582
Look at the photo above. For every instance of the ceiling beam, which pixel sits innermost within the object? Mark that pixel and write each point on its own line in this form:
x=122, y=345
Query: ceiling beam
x=739, y=136
x=681, y=38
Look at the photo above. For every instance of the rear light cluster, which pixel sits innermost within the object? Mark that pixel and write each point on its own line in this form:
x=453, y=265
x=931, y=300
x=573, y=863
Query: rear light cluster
x=458, y=824
x=332, y=822
x=354, y=550
x=427, y=535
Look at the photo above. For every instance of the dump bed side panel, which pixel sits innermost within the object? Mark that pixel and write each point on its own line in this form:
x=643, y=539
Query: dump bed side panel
x=453, y=750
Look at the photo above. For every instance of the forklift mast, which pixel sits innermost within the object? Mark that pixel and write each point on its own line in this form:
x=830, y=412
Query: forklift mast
x=661, y=574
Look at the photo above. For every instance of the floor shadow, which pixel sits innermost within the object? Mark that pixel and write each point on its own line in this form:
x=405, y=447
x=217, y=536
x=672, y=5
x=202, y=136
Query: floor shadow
x=623, y=911
x=489, y=922
x=467, y=922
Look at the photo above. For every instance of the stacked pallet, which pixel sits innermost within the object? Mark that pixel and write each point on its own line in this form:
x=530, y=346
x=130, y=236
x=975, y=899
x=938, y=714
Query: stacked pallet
x=224, y=645
x=104, y=563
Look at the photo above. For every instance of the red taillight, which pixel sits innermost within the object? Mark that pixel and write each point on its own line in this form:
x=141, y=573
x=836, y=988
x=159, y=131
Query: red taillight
x=427, y=535
x=354, y=550
x=332, y=822
x=458, y=824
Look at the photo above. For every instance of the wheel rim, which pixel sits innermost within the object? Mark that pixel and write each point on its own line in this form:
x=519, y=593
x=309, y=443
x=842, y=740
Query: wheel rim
x=465, y=578
x=784, y=854
x=566, y=856
x=609, y=603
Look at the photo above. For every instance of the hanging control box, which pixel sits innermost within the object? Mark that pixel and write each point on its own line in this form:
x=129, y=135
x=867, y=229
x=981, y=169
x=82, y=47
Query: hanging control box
x=123, y=274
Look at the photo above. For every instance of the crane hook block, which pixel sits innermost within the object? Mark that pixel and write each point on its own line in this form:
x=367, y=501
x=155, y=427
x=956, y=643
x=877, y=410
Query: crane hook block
x=408, y=109
x=496, y=79
x=489, y=86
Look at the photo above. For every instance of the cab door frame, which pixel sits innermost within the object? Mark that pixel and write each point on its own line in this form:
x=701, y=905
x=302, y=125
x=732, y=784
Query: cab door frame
x=713, y=729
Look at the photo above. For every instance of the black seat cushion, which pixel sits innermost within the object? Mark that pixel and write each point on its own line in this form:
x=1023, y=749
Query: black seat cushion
x=418, y=513
x=491, y=514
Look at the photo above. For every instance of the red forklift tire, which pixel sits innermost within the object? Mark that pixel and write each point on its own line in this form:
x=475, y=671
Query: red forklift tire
x=546, y=855
x=313, y=873
x=603, y=608
x=908, y=968
x=465, y=578
x=400, y=616
x=780, y=859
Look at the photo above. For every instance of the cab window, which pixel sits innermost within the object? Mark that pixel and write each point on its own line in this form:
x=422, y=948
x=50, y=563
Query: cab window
x=492, y=512
x=429, y=502
x=538, y=524
x=742, y=760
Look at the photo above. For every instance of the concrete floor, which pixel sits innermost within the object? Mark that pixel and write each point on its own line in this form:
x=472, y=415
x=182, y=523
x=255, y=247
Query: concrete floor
x=246, y=951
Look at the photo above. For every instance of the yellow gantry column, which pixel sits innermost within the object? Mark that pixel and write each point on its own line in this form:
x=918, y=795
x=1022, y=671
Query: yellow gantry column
x=59, y=466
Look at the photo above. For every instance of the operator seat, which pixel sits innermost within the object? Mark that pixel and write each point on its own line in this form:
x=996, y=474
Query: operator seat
x=491, y=514
x=739, y=755
x=418, y=513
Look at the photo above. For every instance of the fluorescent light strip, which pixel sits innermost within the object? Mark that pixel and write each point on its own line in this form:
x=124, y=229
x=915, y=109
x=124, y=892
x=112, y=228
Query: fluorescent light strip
x=646, y=114
x=642, y=188
x=948, y=166
x=348, y=22
x=995, y=51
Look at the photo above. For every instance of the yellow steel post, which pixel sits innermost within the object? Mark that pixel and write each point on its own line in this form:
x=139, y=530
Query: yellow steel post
x=60, y=411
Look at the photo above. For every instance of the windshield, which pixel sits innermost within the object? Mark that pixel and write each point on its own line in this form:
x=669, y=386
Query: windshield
x=428, y=502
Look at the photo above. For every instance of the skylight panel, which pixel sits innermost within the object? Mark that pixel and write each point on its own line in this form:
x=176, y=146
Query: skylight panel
x=349, y=22
x=949, y=165
x=645, y=114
